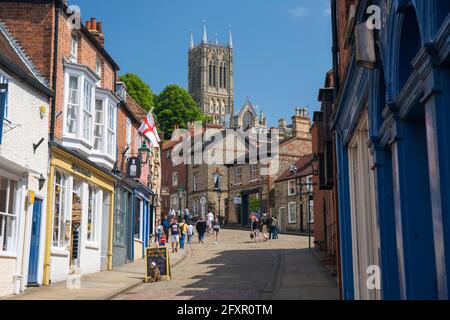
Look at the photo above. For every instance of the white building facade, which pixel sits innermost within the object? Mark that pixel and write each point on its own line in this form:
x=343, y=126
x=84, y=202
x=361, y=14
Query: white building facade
x=24, y=105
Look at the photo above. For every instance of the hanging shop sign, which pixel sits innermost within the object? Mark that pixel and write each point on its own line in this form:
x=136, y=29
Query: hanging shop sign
x=160, y=256
x=134, y=168
x=237, y=200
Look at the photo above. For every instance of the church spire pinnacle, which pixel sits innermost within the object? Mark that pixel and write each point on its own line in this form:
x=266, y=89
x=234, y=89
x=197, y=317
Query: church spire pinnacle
x=192, y=40
x=230, y=40
x=205, y=34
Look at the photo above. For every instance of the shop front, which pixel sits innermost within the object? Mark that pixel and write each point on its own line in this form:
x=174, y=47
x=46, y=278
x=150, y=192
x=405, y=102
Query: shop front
x=143, y=221
x=79, y=217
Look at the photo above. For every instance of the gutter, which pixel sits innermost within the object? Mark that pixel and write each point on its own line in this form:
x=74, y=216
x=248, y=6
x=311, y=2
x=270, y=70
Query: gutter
x=58, y=6
x=335, y=49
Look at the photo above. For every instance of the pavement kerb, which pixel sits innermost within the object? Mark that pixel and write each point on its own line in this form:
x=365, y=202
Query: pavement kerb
x=274, y=281
x=140, y=281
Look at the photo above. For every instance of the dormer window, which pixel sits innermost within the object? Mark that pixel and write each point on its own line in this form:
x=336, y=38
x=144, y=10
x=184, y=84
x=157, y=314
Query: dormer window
x=74, y=49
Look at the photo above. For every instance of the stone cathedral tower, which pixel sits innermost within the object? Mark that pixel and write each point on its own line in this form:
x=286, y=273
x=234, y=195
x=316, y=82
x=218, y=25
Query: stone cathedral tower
x=211, y=80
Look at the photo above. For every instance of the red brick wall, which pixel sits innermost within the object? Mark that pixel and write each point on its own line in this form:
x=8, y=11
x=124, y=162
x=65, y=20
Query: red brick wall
x=32, y=24
x=343, y=9
x=319, y=195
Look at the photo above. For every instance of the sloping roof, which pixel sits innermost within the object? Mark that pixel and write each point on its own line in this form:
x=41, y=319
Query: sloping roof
x=14, y=58
x=303, y=165
x=135, y=108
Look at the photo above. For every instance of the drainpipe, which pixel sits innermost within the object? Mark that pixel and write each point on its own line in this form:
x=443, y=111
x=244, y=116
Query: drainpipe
x=335, y=49
x=48, y=228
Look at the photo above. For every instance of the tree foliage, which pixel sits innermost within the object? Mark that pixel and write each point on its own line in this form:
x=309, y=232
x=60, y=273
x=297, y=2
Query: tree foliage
x=139, y=90
x=174, y=106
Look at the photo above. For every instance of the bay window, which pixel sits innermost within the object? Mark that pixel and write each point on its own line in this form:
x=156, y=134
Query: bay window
x=87, y=111
x=73, y=104
x=59, y=210
x=8, y=216
x=111, y=130
x=98, y=125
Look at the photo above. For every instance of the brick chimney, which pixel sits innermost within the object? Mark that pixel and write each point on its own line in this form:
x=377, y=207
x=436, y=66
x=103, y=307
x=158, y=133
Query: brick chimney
x=301, y=123
x=96, y=29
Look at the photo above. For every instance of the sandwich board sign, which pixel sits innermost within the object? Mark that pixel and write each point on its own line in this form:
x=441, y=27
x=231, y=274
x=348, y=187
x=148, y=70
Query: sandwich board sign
x=160, y=256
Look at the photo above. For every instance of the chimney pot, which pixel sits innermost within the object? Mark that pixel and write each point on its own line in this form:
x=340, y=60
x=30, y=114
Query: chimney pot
x=100, y=27
x=93, y=24
x=88, y=25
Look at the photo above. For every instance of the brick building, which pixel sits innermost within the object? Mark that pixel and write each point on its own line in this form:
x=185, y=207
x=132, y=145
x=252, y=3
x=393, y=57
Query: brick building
x=294, y=199
x=83, y=131
x=326, y=231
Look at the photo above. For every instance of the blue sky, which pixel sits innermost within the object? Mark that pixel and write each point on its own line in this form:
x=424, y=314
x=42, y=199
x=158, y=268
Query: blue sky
x=282, y=48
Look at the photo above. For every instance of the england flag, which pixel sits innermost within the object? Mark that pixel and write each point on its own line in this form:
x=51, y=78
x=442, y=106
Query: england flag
x=148, y=129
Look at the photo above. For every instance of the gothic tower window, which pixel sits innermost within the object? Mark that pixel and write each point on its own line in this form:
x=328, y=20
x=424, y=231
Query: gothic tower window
x=210, y=75
x=247, y=119
x=225, y=76
x=214, y=75
x=199, y=76
x=221, y=76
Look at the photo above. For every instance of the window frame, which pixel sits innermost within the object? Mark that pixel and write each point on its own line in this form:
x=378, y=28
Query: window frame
x=195, y=182
x=101, y=125
x=238, y=173
x=12, y=214
x=4, y=79
x=291, y=221
x=95, y=213
x=60, y=242
x=175, y=179
x=87, y=112
x=111, y=130
x=290, y=194
x=74, y=48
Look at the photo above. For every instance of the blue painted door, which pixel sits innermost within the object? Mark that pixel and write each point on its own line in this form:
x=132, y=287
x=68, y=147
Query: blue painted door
x=34, y=244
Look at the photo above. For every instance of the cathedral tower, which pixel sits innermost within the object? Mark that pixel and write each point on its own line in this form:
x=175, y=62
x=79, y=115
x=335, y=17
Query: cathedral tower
x=211, y=80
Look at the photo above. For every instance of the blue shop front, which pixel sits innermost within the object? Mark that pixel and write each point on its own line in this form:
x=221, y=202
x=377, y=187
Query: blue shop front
x=392, y=131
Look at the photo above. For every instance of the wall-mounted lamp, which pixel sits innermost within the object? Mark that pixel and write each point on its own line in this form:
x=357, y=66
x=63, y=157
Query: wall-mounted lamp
x=41, y=182
x=35, y=146
x=42, y=111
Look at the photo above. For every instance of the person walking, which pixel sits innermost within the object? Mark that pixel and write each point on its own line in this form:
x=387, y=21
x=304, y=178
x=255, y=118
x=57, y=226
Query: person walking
x=274, y=227
x=216, y=228
x=166, y=225
x=209, y=220
x=190, y=233
x=186, y=215
x=183, y=233
x=264, y=227
x=159, y=231
x=174, y=235
x=254, y=227
x=269, y=226
x=201, y=229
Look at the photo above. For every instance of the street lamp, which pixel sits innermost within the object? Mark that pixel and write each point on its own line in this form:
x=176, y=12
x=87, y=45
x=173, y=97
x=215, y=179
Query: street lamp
x=144, y=153
x=217, y=188
x=180, y=196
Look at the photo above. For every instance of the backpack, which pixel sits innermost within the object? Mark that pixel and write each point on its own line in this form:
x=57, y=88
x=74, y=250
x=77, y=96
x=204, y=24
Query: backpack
x=274, y=223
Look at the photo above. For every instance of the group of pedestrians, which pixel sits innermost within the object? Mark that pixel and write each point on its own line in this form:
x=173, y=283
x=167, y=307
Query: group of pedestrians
x=268, y=225
x=181, y=231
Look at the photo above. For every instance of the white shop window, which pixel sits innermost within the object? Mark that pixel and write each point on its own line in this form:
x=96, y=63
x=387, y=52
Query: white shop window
x=8, y=215
x=5, y=80
x=92, y=214
x=111, y=129
x=138, y=218
x=98, y=125
x=292, y=212
x=59, y=210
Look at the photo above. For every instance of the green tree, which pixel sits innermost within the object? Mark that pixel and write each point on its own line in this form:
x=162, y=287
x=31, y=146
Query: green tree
x=139, y=90
x=174, y=106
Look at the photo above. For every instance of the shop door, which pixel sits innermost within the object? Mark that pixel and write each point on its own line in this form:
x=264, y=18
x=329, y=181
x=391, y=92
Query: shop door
x=34, y=243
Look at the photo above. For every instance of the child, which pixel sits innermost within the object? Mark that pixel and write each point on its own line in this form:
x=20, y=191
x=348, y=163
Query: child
x=162, y=240
x=190, y=233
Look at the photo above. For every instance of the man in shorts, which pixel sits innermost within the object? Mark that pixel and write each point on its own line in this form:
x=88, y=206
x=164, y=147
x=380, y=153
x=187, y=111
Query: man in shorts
x=174, y=235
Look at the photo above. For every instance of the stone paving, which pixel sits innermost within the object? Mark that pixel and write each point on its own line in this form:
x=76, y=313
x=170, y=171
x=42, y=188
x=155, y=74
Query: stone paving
x=235, y=269
x=240, y=269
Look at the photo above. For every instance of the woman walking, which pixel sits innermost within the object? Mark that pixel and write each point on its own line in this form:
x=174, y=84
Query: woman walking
x=255, y=227
x=174, y=235
x=183, y=233
x=216, y=228
x=201, y=229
